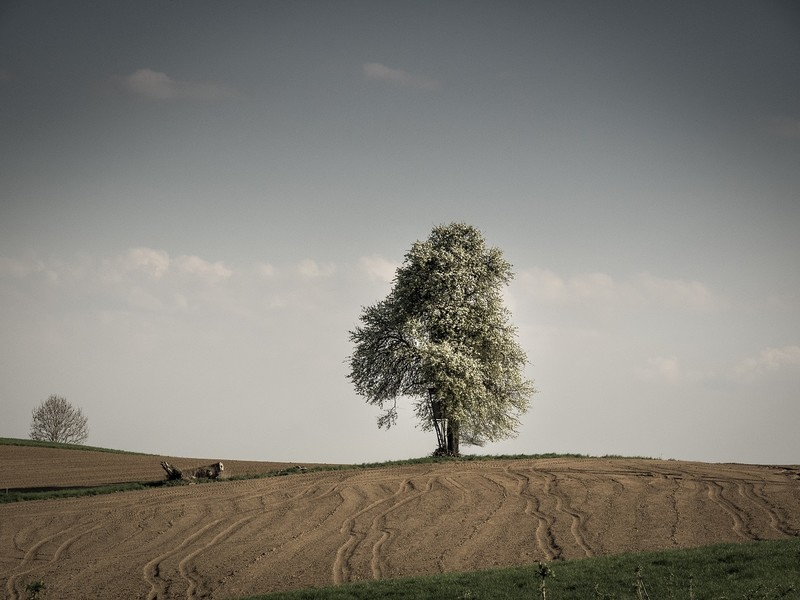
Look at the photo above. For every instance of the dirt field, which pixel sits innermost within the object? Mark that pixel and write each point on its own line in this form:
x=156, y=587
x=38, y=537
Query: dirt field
x=246, y=537
x=26, y=467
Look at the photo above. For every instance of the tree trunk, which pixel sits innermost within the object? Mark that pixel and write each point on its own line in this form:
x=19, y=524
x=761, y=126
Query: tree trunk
x=173, y=473
x=452, y=438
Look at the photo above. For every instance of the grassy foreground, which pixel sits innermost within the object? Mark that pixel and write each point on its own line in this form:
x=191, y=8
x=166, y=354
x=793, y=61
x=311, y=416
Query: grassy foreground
x=758, y=570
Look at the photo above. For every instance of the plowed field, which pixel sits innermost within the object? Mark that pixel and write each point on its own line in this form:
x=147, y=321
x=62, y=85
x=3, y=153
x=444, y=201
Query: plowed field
x=236, y=538
x=26, y=467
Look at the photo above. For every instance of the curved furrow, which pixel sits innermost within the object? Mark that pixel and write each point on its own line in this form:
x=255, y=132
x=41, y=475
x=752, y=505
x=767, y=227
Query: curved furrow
x=673, y=500
x=655, y=506
x=152, y=570
x=776, y=521
x=71, y=540
x=624, y=491
x=341, y=564
x=461, y=553
x=32, y=555
x=577, y=527
x=464, y=500
x=185, y=566
x=545, y=539
x=452, y=481
x=261, y=495
x=714, y=493
x=692, y=485
x=378, y=561
x=333, y=489
x=503, y=498
x=297, y=538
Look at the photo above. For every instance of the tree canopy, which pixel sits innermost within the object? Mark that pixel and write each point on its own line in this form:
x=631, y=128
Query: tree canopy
x=443, y=338
x=56, y=420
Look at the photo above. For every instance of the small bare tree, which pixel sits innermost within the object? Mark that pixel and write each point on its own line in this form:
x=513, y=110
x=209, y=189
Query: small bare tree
x=56, y=420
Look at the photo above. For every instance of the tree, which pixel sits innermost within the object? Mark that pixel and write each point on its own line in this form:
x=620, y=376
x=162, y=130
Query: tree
x=56, y=420
x=442, y=337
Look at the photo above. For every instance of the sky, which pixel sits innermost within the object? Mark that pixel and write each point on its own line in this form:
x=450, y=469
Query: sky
x=198, y=198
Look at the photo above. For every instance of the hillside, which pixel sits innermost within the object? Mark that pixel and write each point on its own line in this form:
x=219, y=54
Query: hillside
x=235, y=538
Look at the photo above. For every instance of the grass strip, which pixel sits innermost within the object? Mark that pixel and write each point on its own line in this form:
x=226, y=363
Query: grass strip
x=763, y=570
x=8, y=496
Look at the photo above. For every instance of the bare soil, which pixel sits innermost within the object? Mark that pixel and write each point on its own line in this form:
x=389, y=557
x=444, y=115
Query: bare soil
x=29, y=467
x=236, y=538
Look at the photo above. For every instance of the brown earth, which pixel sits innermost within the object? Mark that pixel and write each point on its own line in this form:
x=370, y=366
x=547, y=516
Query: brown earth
x=30, y=467
x=246, y=537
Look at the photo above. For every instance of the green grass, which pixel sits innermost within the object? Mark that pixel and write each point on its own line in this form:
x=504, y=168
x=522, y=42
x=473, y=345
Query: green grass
x=49, y=494
x=758, y=570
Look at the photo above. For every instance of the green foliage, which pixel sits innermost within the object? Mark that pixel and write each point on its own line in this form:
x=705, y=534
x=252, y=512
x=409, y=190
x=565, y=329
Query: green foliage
x=768, y=570
x=543, y=571
x=442, y=337
x=34, y=590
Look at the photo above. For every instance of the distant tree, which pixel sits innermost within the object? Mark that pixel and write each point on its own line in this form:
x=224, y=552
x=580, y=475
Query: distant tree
x=56, y=420
x=442, y=337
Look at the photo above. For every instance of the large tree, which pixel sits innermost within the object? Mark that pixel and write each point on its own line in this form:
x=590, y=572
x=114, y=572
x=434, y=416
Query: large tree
x=442, y=337
x=56, y=420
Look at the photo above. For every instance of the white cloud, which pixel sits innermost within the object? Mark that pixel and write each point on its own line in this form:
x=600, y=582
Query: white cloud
x=676, y=292
x=600, y=289
x=152, y=262
x=543, y=284
x=662, y=368
x=669, y=369
x=151, y=280
x=202, y=269
x=155, y=85
x=378, y=268
x=768, y=360
x=595, y=287
x=265, y=270
x=310, y=269
x=398, y=77
x=157, y=264
x=180, y=301
x=19, y=268
x=547, y=286
x=150, y=84
x=142, y=299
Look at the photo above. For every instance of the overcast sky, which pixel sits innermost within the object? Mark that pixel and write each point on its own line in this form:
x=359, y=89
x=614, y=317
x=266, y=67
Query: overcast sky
x=197, y=198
